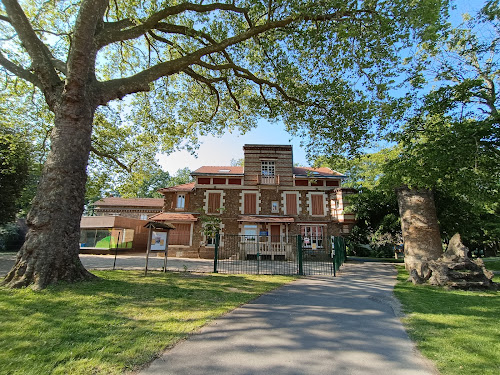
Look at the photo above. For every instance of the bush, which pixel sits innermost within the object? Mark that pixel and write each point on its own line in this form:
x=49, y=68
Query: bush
x=12, y=236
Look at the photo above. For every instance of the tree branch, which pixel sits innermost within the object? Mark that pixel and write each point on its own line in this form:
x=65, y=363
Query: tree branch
x=81, y=57
x=118, y=88
x=208, y=82
x=106, y=155
x=115, y=34
x=20, y=71
x=41, y=59
x=5, y=18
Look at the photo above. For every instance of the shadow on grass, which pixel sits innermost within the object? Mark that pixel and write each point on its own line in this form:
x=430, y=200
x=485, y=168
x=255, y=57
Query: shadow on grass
x=458, y=329
x=112, y=324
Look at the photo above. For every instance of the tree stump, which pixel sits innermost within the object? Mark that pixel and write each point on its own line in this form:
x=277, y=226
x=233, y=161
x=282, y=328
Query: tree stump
x=420, y=229
x=455, y=270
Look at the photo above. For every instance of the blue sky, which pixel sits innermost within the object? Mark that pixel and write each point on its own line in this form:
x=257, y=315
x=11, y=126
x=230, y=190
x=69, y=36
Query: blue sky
x=219, y=151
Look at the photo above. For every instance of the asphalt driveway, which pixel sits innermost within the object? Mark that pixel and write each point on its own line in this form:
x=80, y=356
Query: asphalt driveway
x=316, y=325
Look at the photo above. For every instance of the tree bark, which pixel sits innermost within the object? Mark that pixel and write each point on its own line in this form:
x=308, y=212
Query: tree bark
x=420, y=228
x=51, y=250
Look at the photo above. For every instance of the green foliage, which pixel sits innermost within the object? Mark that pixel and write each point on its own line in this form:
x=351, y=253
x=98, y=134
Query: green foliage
x=324, y=77
x=116, y=324
x=457, y=330
x=211, y=223
x=15, y=164
x=12, y=236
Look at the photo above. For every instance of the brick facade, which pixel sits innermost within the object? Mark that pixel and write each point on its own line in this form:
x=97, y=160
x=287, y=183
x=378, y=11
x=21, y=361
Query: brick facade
x=270, y=175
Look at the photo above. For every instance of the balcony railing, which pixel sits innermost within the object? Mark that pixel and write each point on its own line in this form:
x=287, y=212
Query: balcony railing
x=269, y=180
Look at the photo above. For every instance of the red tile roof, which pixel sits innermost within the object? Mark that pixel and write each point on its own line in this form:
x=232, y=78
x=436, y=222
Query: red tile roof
x=167, y=216
x=316, y=172
x=301, y=171
x=130, y=202
x=224, y=170
x=183, y=187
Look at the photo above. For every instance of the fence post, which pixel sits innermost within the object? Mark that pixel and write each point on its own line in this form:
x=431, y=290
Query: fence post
x=338, y=251
x=299, y=254
x=216, y=251
x=333, y=254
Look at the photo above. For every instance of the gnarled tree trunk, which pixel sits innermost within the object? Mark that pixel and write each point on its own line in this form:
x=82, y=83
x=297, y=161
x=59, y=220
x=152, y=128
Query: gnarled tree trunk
x=422, y=240
x=50, y=252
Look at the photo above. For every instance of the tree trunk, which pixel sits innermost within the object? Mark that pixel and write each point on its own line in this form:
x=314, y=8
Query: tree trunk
x=419, y=225
x=51, y=250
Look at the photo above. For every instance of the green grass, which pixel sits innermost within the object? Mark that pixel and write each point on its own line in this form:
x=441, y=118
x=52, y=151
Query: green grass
x=458, y=330
x=493, y=264
x=115, y=324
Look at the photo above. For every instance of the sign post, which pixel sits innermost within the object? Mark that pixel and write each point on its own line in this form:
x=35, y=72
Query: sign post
x=157, y=241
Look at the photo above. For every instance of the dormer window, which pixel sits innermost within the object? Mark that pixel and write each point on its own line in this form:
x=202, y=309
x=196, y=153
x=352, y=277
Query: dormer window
x=181, y=201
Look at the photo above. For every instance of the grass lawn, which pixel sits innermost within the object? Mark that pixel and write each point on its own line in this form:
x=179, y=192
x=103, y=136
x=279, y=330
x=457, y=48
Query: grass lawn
x=115, y=324
x=493, y=264
x=458, y=330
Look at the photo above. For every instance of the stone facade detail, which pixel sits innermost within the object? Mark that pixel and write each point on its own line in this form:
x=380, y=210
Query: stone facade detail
x=268, y=173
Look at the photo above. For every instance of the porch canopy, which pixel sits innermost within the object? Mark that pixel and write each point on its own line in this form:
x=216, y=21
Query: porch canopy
x=265, y=219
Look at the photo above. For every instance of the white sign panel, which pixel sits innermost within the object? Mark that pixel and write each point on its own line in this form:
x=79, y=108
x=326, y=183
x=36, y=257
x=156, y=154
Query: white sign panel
x=159, y=241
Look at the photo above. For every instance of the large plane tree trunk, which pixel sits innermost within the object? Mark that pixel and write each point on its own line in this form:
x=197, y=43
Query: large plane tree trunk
x=420, y=228
x=51, y=250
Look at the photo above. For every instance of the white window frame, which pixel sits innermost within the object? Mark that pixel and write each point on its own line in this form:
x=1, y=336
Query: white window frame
x=324, y=204
x=180, y=197
x=313, y=239
x=242, y=201
x=221, y=203
x=275, y=207
x=268, y=168
x=297, y=202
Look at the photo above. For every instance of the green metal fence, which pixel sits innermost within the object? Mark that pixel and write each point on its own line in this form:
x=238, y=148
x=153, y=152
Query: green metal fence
x=279, y=255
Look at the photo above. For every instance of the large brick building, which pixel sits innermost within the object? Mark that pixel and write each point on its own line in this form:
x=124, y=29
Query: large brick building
x=266, y=200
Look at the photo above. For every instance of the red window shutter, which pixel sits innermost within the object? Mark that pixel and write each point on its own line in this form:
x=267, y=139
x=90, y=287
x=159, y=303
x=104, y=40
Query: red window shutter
x=291, y=204
x=234, y=181
x=213, y=203
x=180, y=235
x=250, y=203
x=186, y=202
x=174, y=201
x=219, y=181
x=301, y=182
x=203, y=181
x=317, y=204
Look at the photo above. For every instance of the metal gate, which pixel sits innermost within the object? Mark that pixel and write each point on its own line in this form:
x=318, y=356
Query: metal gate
x=279, y=255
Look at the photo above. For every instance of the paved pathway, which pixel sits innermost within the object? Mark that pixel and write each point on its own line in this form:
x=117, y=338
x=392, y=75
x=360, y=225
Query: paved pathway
x=318, y=325
x=129, y=262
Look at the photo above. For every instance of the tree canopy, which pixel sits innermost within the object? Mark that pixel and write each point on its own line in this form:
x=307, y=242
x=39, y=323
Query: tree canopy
x=449, y=142
x=196, y=68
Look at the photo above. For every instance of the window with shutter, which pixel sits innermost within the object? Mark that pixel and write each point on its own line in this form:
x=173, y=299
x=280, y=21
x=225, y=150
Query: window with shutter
x=181, y=235
x=213, y=203
x=317, y=205
x=250, y=206
x=291, y=204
